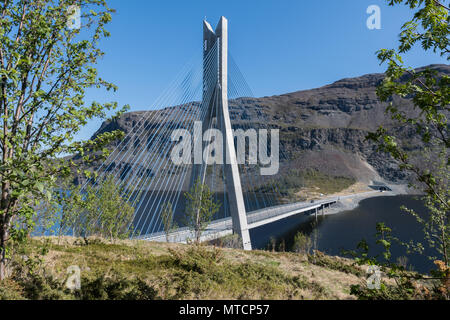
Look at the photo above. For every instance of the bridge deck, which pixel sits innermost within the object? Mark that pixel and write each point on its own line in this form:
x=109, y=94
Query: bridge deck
x=223, y=227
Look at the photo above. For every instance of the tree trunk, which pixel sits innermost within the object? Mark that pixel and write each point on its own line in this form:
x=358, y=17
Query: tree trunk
x=444, y=245
x=197, y=227
x=4, y=227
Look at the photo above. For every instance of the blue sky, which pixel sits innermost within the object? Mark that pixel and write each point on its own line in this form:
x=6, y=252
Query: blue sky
x=281, y=46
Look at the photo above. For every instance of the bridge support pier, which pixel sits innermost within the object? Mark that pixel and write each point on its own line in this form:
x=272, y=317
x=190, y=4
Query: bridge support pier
x=232, y=178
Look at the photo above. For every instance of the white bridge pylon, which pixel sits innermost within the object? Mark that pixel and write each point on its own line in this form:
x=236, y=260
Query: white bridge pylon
x=218, y=113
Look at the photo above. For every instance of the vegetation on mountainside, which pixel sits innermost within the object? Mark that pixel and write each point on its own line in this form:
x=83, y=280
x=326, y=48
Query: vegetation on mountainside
x=288, y=185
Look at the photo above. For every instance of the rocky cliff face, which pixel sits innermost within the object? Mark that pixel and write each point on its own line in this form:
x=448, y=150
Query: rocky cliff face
x=323, y=128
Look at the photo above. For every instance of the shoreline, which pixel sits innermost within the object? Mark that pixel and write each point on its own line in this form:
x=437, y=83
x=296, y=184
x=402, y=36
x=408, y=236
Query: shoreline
x=351, y=202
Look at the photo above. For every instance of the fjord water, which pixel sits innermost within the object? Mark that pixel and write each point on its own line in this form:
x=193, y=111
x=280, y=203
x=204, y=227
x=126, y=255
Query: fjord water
x=344, y=230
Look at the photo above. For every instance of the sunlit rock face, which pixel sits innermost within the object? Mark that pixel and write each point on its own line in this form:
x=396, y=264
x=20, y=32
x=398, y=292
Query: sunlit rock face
x=322, y=129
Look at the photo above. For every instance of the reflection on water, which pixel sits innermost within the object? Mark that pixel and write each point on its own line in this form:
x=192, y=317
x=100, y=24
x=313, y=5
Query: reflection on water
x=346, y=229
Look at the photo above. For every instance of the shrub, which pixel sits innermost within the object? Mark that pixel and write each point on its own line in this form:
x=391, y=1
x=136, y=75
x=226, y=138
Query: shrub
x=232, y=241
x=302, y=243
x=200, y=208
x=115, y=288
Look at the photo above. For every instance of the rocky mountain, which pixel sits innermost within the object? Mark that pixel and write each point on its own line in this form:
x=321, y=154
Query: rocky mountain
x=322, y=129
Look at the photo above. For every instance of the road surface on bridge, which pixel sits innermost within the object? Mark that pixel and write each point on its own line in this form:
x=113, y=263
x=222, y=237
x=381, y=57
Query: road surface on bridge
x=223, y=227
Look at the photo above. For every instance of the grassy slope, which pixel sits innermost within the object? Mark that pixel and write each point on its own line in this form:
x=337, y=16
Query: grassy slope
x=176, y=271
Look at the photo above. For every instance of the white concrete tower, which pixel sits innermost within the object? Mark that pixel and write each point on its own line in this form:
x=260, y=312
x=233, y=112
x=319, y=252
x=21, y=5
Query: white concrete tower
x=233, y=180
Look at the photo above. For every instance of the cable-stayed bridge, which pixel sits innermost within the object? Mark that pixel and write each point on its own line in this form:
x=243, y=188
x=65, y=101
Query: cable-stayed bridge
x=185, y=124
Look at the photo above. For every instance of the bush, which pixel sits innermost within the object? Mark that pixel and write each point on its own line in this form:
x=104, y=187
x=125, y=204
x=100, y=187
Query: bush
x=104, y=211
x=10, y=290
x=115, y=288
x=322, y=260
x=196, y=259
x=200, y=208
x=232, y=241
x=42, y=287
x=302, y=243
